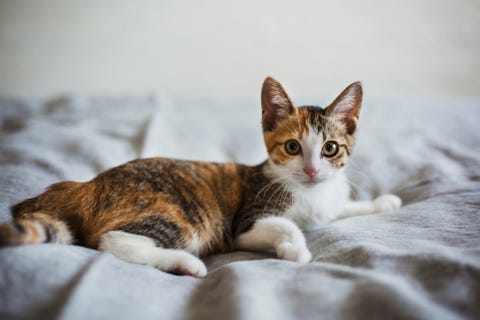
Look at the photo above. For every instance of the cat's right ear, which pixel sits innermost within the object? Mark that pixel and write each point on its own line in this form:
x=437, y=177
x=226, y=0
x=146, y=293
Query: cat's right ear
x=276, y=105
x=347, y=106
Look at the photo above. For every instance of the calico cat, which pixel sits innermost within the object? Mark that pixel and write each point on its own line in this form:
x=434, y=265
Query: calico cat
x=166, y=213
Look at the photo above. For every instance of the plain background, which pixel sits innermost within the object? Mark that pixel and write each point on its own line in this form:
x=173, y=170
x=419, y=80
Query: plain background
x=208, y=48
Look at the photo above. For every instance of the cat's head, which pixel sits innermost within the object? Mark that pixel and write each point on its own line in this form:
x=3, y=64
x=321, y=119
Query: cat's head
x=308, y=145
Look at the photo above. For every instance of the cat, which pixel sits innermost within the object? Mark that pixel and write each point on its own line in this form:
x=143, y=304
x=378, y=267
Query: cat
x=167, y=213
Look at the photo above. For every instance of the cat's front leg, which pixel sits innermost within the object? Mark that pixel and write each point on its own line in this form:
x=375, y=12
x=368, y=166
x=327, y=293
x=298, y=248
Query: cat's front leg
x=383, y=203
x=277, y=233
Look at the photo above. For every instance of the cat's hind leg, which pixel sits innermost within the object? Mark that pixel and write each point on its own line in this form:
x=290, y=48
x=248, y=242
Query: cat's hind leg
x=277, y=233
x=384, y=203
x=143, y=250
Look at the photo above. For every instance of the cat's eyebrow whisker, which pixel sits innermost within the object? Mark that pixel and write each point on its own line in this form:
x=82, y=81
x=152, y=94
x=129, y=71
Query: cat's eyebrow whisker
x=299, y=127
x=294, y=133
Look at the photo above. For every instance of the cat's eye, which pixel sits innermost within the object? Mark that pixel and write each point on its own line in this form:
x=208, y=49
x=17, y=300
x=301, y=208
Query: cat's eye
x=330, y=149
x=292, y=147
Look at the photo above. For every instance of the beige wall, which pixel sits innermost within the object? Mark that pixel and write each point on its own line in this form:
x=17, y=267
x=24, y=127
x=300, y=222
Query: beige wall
x=207, y=47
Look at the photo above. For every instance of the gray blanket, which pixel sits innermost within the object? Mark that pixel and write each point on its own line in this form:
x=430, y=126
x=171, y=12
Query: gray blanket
x=419, y=262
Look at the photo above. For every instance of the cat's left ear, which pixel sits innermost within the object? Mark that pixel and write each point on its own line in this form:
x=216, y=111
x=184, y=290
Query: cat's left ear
x=347, y=106
x=276, y=104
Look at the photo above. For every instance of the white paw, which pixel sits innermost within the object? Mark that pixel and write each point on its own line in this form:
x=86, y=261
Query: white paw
x=186, y=264
x=387, y=202
x=298, y=253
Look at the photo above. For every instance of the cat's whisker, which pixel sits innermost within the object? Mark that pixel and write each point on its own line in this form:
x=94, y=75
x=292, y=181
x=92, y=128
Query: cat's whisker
x=280, y=187
x=267, y=187
x=286, y=193
x=363, y=179
x=353, y=187
x=353, y=190
x=354, y=167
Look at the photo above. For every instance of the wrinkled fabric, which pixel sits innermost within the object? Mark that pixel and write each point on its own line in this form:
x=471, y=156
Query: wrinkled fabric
x=419, y=262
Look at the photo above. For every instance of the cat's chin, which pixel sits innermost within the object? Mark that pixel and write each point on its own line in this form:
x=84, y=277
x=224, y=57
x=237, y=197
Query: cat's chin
x=310, y=184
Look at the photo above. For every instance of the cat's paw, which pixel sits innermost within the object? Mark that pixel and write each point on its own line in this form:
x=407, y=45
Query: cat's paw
x=186, y=264
x=387, y=202
x=292, y=252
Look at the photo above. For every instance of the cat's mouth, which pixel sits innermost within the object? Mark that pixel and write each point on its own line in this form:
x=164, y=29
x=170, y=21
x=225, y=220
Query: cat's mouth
x=312, y=181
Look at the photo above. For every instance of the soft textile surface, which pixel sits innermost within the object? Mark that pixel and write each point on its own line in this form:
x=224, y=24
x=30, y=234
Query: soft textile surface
x=422, y=261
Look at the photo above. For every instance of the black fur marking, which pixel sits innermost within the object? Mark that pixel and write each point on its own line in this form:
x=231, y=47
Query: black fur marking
x=146, y=174
x=103, y=203
x=165, y=233
x=317, y=117
x=50, y=233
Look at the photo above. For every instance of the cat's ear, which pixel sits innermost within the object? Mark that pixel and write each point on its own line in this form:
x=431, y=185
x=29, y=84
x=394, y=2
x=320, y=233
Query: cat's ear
x=347, y=106
x=276, y=105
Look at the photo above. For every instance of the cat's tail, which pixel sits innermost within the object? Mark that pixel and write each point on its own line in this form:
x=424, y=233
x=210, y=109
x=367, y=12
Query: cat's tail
x=36, y=228
x=43, y=219
x=50, y=217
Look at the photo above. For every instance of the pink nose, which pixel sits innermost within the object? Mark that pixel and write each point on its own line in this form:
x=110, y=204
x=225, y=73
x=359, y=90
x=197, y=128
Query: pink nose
x=311, y=171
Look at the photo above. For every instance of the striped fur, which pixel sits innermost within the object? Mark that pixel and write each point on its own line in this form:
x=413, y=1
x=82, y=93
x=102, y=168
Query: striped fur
x=36, y=228
x=197, y=207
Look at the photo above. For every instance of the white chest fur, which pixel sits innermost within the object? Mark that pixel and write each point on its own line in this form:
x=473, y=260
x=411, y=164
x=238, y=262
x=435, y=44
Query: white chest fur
x=323, y=202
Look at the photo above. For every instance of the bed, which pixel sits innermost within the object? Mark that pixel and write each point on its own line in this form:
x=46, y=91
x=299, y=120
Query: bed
x=419, y=262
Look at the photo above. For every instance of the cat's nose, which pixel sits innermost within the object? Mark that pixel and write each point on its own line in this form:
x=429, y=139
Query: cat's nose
x=312, y=172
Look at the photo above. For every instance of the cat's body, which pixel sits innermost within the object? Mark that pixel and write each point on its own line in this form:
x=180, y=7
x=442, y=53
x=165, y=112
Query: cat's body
x=166, y=213
x=172, y=201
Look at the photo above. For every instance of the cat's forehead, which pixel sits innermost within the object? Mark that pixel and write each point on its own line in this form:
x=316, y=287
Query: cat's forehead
x=313, y=120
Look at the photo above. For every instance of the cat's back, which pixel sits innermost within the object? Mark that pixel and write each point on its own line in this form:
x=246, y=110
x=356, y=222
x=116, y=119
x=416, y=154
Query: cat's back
x=167, y=175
